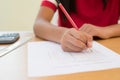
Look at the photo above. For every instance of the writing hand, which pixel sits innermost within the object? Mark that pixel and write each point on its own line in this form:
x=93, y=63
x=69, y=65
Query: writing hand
x=75, y=40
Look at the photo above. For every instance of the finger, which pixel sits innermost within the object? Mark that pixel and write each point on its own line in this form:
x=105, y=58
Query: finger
x=76, y=43
x=89, y=42
x=71, y=48
x=72, y=44
x=78, y=35
x=67, y=49
x=88, y=28
x=83, y=28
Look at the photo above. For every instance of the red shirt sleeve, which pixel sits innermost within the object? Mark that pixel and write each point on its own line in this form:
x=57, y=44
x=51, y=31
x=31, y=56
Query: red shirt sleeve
x=49, y=4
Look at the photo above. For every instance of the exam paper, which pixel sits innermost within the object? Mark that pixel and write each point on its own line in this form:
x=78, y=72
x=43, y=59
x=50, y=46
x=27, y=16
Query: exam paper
x=46, y=58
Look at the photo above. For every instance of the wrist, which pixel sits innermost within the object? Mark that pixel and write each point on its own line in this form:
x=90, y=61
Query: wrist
x=63, y=31
x=107, y=32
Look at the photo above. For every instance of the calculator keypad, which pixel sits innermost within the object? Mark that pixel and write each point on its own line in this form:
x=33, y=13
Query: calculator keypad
x=9, y=37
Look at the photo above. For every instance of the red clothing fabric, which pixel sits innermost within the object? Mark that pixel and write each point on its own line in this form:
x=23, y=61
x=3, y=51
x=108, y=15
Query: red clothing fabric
x=89, y=11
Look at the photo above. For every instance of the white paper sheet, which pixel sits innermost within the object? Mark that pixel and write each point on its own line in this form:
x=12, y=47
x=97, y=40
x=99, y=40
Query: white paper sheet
x=2, y=47
x=47, y=58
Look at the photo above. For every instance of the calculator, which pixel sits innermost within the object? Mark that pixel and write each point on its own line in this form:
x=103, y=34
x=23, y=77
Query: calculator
x=7, y=38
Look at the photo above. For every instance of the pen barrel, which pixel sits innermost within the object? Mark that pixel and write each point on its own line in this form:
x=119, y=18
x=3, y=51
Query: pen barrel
x=68, y=16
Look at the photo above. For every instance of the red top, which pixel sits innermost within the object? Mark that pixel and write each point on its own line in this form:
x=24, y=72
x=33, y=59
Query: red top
x=89, y=11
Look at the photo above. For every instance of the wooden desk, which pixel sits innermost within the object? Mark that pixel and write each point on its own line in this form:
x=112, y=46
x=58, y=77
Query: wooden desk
x=13, y=66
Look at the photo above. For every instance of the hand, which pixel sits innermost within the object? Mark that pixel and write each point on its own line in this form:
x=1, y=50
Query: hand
x=75, y=40
x=101, y=32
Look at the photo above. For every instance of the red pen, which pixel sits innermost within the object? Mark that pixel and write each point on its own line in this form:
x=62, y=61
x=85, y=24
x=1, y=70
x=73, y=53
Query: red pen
x=66, y=14
x=69, y=18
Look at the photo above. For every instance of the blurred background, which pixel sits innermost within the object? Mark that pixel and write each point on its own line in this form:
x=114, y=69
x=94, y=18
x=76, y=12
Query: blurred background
x=18, y=15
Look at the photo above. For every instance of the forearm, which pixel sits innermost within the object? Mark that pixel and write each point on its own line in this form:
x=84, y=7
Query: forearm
x=113, y=30
x=48, y=31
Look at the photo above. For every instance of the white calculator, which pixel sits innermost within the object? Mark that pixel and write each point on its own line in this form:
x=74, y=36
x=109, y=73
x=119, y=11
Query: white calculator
x=7, y=38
